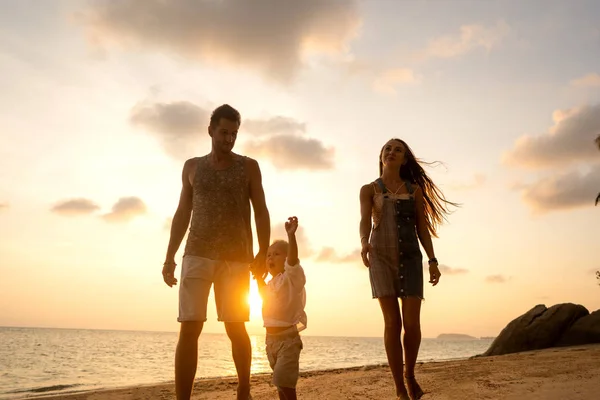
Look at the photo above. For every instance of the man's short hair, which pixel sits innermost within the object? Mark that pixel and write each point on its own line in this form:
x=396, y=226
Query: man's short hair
x=227, y=112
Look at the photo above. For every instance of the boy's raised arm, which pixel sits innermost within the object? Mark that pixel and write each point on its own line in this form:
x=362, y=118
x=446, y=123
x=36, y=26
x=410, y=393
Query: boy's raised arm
x=292, y=257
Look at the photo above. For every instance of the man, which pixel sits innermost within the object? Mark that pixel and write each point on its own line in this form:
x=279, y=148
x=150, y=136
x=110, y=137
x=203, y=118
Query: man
x=216, y=195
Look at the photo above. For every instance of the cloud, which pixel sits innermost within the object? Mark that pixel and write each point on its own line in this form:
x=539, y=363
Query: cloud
x=304, y=248
x=496, y=279
x=569, y=141
x=3, y=206
x=181, y=126
x=293, y=152
x=167, y=224
x=477, y=182
x=273, y=126
x=446, y=270
x=125, y=209
x=268, y=35
x=178, y=125
x=589, y=80
x=562, y=190
x=388, y=80
x=329, y=254
x=469, y=38
x=176, y=118
x=78, y=206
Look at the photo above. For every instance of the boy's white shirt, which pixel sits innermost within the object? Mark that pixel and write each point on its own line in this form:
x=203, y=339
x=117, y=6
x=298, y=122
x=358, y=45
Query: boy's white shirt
x=285, y=298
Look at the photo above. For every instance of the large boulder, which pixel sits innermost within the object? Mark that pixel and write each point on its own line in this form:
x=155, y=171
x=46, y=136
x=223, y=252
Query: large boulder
x=585, y=330
x=538, y=328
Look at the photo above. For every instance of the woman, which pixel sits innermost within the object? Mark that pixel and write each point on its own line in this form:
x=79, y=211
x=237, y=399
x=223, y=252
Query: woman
x=405, y=207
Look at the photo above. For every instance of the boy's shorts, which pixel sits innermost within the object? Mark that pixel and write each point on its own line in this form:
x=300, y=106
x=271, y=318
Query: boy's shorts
x=283, y=352
x=232, y=286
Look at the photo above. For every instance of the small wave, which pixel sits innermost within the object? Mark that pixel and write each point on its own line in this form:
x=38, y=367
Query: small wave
x=44, y=389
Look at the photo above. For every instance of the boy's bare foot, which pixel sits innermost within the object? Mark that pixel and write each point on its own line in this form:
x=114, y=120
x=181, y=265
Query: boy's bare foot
x=414, y=390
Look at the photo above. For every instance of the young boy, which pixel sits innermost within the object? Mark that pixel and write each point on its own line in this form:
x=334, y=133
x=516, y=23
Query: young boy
x=284, y=298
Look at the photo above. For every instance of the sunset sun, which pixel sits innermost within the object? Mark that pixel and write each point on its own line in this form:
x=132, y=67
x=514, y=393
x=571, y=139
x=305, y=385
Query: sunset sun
x=255, y=301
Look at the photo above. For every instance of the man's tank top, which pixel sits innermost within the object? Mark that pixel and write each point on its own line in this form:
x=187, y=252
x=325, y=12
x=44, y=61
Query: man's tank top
x=220, y=225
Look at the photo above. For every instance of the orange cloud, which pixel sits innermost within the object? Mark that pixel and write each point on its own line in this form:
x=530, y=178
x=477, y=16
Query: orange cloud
x=469, y=38
x=569, y=141
x=477, y=181
x=78, y=206
x=496, y=279
x=125, y=209
x=589, y=80
x=292, y=152
x=388, y=80
x=562, y=191
x=329, y=254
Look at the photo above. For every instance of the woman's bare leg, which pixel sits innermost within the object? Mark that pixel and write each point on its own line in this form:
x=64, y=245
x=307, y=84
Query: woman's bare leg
x=411, y=312
x=392, y=340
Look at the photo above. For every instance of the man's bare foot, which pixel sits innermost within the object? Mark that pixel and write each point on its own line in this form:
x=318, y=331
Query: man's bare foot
x=243, y=393
x=403, y=396
x=414, y=390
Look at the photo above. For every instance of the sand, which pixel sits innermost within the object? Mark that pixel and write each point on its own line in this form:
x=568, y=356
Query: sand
x=559, y=373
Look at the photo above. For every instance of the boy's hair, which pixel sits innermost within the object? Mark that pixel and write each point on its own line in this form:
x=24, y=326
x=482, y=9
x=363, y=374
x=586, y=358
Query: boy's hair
x=282, y=243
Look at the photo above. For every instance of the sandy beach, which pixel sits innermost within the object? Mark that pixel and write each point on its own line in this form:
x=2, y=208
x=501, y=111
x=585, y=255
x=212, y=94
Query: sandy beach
x=558, y=373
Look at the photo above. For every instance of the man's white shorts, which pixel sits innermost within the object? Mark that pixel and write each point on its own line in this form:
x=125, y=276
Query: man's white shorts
x=232, y=286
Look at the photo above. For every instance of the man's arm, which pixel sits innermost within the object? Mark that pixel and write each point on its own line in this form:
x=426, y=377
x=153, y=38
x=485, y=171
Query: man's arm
x=180, y=223
x=261, y=213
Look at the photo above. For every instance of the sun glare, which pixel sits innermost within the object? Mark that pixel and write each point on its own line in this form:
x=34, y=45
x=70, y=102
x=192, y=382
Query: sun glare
x=255, y=301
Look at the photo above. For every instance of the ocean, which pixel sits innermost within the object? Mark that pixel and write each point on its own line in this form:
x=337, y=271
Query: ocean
x=41, y=361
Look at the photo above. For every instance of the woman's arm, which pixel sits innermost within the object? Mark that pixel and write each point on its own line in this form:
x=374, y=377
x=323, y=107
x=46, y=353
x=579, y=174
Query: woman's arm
x=425, y=238
x=422, y=229
x=366, y=207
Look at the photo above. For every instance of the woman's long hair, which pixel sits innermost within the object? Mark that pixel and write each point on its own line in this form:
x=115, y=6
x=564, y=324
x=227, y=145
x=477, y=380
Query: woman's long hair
x=436, y=205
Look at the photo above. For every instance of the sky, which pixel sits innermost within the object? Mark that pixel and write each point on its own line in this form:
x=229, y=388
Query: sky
x=102, y=102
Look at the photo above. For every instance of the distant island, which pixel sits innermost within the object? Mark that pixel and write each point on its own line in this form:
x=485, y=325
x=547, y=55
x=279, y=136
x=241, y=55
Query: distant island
x=455, y=336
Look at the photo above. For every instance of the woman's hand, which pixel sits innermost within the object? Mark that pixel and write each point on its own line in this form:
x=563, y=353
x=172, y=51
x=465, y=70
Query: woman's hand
x=434, y=273
x=364, y=253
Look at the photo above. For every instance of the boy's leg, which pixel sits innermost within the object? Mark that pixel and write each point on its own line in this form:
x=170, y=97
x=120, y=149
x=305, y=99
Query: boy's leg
x=287, y=367
x=287, y=393
x=232, y=287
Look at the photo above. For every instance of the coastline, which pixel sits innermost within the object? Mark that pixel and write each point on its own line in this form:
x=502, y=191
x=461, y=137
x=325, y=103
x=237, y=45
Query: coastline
x=555, y=373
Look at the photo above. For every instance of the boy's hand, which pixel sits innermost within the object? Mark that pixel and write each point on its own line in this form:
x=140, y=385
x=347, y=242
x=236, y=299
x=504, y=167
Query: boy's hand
x=291, y=225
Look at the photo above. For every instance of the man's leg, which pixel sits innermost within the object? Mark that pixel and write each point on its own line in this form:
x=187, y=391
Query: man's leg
x=232, y=287
x=242, y=356
x=186, y=358
x=194, y=288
